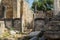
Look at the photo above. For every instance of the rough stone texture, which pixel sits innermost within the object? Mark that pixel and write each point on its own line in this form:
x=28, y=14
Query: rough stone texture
x=52, y=30
x=39, y=14
x=8, y=23
x=39, y=25
x=15, y=8
x=49, y=14
x=19, y=8
x=8, y=8
x=39, y=22
x=53, y=25
x=27, y=18
x=17, y=24
x=56, y=7
x=12, y=10
x=2, y=27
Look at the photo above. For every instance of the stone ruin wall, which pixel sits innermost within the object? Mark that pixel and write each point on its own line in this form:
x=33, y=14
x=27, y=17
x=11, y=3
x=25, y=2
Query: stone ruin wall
x=27, y=16
x=8, y=8
x=12, y=10
x=41, y=18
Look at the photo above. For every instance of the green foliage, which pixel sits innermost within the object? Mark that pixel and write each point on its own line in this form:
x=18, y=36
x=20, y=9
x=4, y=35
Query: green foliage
x=43, y=5
x=6, y=34
x=11, y=28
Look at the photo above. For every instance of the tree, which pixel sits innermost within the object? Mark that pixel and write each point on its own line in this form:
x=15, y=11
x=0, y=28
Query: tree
x=43, y=5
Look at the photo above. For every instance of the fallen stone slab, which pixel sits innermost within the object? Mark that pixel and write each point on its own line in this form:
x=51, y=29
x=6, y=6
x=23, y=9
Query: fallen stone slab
x=35, y=33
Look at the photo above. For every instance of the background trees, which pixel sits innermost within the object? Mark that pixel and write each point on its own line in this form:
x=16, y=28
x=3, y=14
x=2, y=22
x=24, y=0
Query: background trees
x=42, y=5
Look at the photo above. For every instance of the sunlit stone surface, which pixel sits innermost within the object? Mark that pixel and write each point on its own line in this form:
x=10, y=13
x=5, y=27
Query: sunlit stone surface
x=2, y=27
x=12, y=10
x=0, y=1
x=56, y=7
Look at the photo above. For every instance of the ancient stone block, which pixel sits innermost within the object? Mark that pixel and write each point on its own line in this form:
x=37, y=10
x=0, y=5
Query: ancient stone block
x=40, y=14
x=53, y=25
x=17, y=24
x=2, y=27
x=39, y=25
x=8, y=23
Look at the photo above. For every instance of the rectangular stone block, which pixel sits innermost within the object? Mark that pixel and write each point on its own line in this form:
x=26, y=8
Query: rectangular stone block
x=8, y=23
x=17, y=24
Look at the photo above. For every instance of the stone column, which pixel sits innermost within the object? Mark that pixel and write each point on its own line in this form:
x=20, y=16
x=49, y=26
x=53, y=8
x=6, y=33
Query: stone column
x=56, y=6
x=18, y=8
x=14, y=8
x=2, y=27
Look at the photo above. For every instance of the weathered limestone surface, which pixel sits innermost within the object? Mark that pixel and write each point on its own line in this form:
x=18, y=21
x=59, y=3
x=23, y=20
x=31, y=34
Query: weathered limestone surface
x=27, y=18
x=39, y=14
x=8, y=7
x=8, y=23
x=12, y=11
x=18, y=8
x=56, y=7
x=2, y=27
x=39, y=25
x=17, y=24
x=39, y=22
x=15, y=9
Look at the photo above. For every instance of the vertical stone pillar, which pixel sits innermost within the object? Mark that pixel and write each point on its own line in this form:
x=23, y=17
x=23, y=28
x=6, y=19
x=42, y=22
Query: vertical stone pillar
x=2, y=27
x=21, y=15
x=14, y=8
x=56, y=6
x=18, y=8
x=0, y=1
